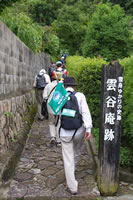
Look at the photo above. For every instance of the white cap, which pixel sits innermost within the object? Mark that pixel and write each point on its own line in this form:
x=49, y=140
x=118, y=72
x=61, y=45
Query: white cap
x=42, y=71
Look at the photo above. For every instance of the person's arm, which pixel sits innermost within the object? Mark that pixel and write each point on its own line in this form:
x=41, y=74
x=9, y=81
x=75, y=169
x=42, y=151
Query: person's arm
x=87, y=135
x=86, y=117
x=47, y=78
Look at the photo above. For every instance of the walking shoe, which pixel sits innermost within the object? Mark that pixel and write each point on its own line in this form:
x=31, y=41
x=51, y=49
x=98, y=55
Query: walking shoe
x=53, y=141
x=72, y=192
x=40, y=119
x=58, y=144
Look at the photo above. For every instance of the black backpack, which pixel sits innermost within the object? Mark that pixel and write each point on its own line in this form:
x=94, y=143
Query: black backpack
x=51, y=69
x=71, y=118
x=41, y=82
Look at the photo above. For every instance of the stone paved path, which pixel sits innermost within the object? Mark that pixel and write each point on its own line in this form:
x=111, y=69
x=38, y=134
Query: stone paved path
x=40, y=172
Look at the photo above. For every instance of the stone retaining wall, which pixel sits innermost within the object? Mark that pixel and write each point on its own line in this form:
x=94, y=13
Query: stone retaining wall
x=12, y=118
x=18, y=67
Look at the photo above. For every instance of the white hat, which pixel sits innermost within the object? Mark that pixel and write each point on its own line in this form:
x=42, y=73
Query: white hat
x=42, y=71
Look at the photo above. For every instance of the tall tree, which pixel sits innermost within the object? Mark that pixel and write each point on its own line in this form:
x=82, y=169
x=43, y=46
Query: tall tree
x=4, y=3
x=126, y=4
x=45, y=12
x=70, y=27
x=108, y=33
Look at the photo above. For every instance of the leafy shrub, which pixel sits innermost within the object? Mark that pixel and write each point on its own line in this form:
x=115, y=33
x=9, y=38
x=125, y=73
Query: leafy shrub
x=44, y=12
x=125, y=157
x=108, y=33
x=24, y=28
x=51, y=44
x=127, y=123
x=95, y=132
x=70, y=27
x=4, y=3
x=87, y=73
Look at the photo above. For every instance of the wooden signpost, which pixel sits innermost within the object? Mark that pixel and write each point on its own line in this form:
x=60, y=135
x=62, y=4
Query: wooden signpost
x=110, y=128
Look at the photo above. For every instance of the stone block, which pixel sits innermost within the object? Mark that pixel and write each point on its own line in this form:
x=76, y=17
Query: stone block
x=1, y=107
x=2, y=138
x=5, y=106
x=13, y=104
x=1, y=90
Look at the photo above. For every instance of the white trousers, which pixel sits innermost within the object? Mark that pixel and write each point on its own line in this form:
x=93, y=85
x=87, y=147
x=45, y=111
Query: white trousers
x=52, y=119
x=71, y=153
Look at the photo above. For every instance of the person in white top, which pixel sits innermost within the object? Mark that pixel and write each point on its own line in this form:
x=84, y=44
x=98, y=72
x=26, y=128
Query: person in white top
x=71, y=147
x=39, y=91
x=52, y=118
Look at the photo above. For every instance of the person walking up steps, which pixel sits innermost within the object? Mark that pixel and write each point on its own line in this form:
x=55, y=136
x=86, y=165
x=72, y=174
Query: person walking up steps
x=76, y=123
x=63, y=60
x=59, y=70
x=40, y=81
x=52, y=118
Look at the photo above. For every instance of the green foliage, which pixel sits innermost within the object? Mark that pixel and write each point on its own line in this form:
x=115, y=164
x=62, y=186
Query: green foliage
x=8, y=114
x=55, y=13
x=87, y=73
x=129, y=7
x=30, y=113
x=95, y=132
x=51, y=44
x=4, y=3
x=70, y=27
x=88, y=7
x=44, y=11
x=125, y=157
x=24, y=28
x=126, y=4
x=127, y=123
x=108, y=33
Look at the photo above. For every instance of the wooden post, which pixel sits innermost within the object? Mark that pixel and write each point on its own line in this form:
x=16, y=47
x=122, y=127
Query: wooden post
x=110, y=129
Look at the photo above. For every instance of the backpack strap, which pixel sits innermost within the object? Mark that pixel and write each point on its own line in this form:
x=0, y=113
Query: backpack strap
x=51, y=91
x=76, y=101
x=57, y=120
